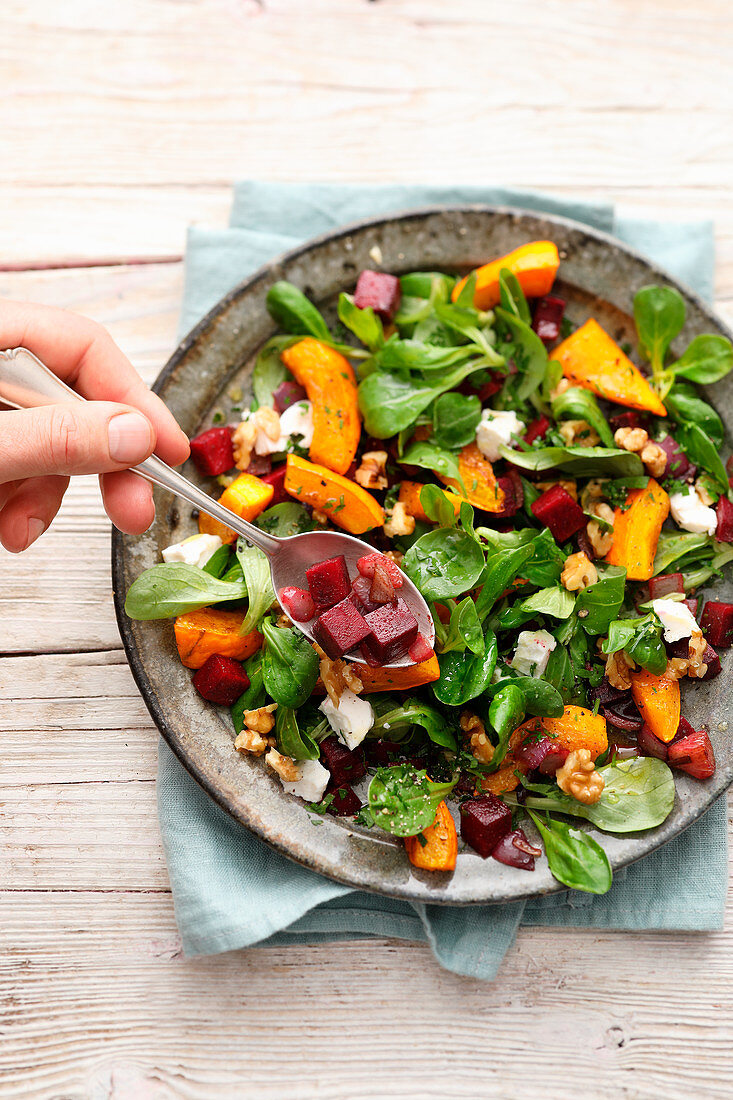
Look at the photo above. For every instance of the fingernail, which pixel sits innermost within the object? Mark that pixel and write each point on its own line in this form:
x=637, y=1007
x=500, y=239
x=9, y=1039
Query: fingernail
x=129, y=438
x=36, y=527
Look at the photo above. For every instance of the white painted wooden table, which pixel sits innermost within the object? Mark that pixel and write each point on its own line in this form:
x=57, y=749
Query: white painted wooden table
x=120, y=124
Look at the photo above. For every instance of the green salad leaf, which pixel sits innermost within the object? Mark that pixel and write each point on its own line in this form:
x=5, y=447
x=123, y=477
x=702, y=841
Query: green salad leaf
x=455, y=419
x=364, y=323
x=464, y=677
x=414, y=712
x=291, y=740
x=289, y=665
x=578, y=461
x=256, y=572
x=598, y=605
x=172, y=588
x=444, y=563
x=403, y=801
x=575, y=858
x=579, y=404
x=293, y=312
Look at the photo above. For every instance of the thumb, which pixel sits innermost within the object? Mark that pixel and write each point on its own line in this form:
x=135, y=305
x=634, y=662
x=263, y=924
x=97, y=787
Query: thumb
x=88, y=438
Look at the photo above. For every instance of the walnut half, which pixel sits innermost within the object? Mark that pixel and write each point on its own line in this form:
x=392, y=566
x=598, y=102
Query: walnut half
x=578, y=572
x=578, y=777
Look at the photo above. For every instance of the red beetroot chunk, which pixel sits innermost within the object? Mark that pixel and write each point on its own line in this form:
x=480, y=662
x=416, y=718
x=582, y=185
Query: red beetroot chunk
x=484, y=821
x=345, y=802
x=651, y=745
x=340, y=629
x=369, y=562
x=678, y=464
x=717, y=623
x=277, y=480
x=558, y=511
x=420, y=651
x=328, y=582
x=298, y=603
x=345, y=765
x=537, y=429
x=541, y=754
x=221, y=680
x=511, y=485
x=693, y=754
x=548, y=314
x=724, y=512
x=632, y=418
x=287, y=394
x=393, y=630
x=712, y=661
x=378, y=291
x=664, y=584
x=212, y=452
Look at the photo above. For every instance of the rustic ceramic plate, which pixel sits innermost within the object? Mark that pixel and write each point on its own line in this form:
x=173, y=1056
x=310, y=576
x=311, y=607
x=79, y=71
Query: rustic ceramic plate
x=599, y=276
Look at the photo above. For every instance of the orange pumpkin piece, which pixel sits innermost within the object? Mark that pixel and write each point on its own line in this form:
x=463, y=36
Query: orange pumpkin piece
x=482, y=489
x=247, y=496
x=575, y=728
x=201, y=634
x=636, y=530
x=436, y=848
x=345, y=503
x=591, y=359
x=535, y=266
x=658, y=700
x=329, y=380
x=398, y=679
x=409, y=495
x=503, y=780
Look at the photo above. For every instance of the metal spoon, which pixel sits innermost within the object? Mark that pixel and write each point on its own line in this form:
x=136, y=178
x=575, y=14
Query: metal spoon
x=26, y=383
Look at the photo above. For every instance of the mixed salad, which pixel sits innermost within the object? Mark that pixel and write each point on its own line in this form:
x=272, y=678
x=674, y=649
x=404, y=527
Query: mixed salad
x=558, y=505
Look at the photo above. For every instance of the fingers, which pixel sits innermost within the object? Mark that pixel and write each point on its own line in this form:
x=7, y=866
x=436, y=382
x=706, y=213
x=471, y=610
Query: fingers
x=128, y=501
x=29, y=511
x=72, y=439
x=85, y=355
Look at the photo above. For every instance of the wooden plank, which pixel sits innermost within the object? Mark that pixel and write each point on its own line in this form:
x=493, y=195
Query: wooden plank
x=98, y=1002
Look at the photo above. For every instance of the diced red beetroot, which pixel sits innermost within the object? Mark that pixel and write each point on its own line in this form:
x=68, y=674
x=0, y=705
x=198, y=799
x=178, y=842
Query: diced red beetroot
x=558, y=511
x=287, y=394
x=649, y=744
x=328, y=582
x=393, y=630
x=666, y=583
x=511, y=485
x=221, y=680
x=259, y=465
x=684, y=729
x=382, y=752
x=379, y=291
x=632, y=418
x=678, y=464
x=693, y=754
x=548, y=313
x=277, y=480
x=484, y=821
x=341, y=629
x=693, y=603
x=345, y=802
x=360, y=595
x=724, y=512
x=368, y=563
x=381, y=589
x=515, y=850
x=717, y=623
x=345, y=765
x=212, y=452
x=537, y=429
x=298, y=603
x=712, y=660
x=420, y=651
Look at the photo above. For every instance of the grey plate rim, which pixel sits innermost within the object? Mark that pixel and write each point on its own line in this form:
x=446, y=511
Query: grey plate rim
x=414, y=889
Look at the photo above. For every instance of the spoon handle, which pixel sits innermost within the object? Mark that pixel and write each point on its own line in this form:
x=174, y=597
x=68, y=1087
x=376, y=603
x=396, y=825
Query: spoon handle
x=26, y=383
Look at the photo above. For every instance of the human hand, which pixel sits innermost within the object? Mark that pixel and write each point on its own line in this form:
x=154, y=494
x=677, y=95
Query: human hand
x=121, y=426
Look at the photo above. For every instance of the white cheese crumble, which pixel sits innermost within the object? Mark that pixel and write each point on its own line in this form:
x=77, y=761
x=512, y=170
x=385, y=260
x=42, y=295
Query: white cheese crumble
x=312, y=782
x=298, y=420
x=195, y=550
x=496, y=427
x=676, y=618
x=533, y=652
x=689, y=512
x=351, y=719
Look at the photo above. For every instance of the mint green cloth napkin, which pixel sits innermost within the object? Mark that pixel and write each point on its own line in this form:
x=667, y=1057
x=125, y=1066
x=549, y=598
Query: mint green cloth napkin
x=231, y=890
